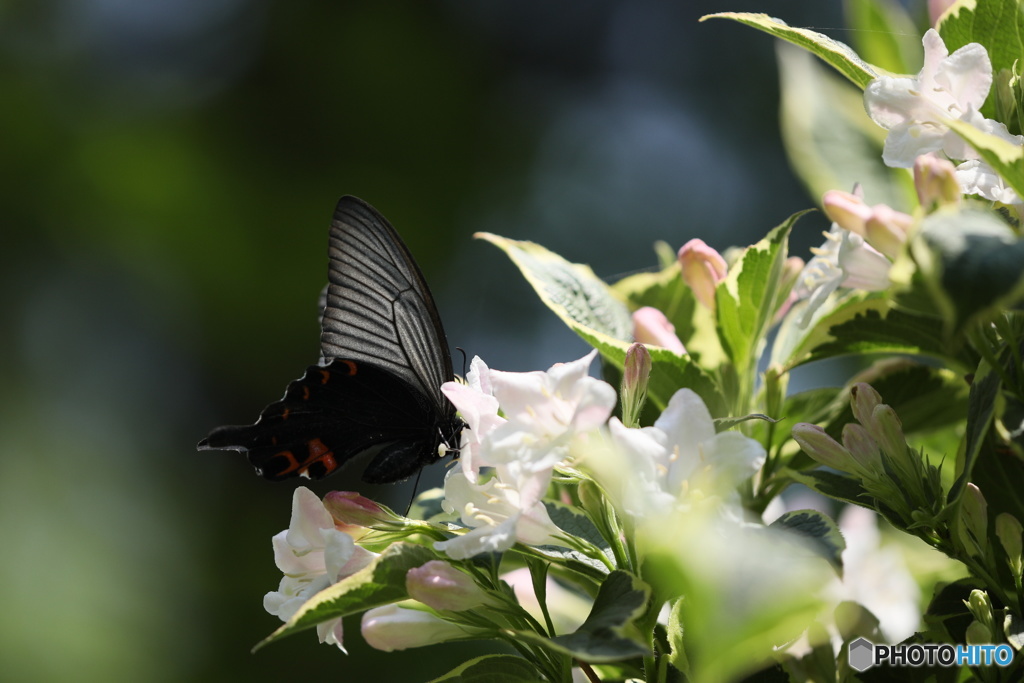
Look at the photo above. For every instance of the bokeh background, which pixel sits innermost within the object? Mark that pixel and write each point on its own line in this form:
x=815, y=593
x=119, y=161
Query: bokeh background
x=169, y=169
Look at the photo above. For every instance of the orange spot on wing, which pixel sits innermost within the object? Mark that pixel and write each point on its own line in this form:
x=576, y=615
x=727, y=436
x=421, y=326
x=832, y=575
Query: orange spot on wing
x=293, y=463
x=319, y=452
x=352, y=367
x=326, y=376
x=305, y=393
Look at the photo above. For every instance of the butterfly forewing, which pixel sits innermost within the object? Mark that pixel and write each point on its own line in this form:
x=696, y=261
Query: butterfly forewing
x=379, y=308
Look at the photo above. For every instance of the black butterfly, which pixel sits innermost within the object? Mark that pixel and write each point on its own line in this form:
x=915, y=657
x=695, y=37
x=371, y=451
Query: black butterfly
x=384, y=356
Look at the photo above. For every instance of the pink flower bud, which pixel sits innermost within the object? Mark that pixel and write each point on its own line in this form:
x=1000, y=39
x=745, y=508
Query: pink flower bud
x=847, y=210
x=441, y=586
x=391, y=628
x=703, y=268
x=886, y=230
x=650, y=326
x=635, y=375
x=935, y=182
x=348, y=508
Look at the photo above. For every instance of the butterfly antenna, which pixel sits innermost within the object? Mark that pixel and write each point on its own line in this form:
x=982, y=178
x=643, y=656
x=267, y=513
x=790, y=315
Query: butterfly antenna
x=463, y=352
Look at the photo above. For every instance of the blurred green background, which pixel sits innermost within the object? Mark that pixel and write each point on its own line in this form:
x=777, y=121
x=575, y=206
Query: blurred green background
x=169, y=171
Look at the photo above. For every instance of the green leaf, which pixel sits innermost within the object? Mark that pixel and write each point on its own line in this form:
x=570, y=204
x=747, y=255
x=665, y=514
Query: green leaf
x=829, y=138
x=819, y=530
x=747, y=299
x=883, y=34
x=833, y=485
x=838, y=55
x=602, y=637
x=998, y=25
x=382, y=582
x=970, y=261
x=496, y=668
x=859, y=324
x=1005, y=157
x=571, y=290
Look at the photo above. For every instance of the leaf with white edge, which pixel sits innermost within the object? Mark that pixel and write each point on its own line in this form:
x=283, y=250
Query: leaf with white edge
x=592, y=310
x=1005, y=157
x=571, y=290
x=493, y=669
x=382, y=582
x=818, y=530
x=838, y=55
x=574, y=523
x=861, y=324
x=832, y=484
x=621, y=599
x=747, y=299
x=998, y=25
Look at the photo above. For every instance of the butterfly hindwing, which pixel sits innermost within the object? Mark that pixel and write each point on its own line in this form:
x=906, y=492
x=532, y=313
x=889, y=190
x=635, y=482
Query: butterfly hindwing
x=329, y=416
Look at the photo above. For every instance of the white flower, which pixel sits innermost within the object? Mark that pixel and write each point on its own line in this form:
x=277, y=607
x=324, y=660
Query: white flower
x=312, y=554
x=844, y=260
x=545, y=410
x=876, y=576
x=393, y=627
x=544, y=413
x=477, y=405
x=681, y=453
x=977, y=177
x=915, y=110
x=500, y=513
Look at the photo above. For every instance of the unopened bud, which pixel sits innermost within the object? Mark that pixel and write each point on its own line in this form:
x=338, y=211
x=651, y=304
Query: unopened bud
x=635, y=376
x=392, y=627
x=822, y=447
x=886, y=230
x=983, y=628
x=350, y=508
x=935, y=182
x=863, y=400
x=650, y=326
x=974, y=522
x=862, y=447
x=703, y=268
x=441, y=586
x=847, y=210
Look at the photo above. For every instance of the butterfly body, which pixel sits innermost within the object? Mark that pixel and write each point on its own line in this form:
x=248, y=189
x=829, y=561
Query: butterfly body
x=384, y=356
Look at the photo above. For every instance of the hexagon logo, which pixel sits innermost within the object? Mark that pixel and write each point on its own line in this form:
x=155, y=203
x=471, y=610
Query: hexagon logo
x=861, y=654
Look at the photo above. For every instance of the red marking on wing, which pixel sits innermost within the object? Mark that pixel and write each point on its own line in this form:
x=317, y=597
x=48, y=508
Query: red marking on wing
x=284, y=415
x=326, y=376
x=294, y=463
x=319, y=452
x=305, y=393
x=352, y=367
